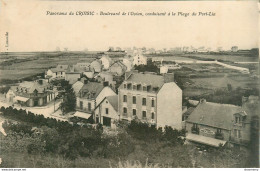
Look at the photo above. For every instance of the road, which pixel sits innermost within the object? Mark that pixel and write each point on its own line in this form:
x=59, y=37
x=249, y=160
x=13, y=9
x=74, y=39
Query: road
x=46, y=111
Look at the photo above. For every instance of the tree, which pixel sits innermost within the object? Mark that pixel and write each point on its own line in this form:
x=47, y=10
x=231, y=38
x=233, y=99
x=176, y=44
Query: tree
x=69, y=101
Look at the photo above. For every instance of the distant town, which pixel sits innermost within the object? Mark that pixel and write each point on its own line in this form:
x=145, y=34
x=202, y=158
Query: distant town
x=211, y=95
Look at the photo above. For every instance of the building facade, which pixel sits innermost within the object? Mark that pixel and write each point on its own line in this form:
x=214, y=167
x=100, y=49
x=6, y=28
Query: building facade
x=90, y=95
x=139, y=59
x=117, y=68
x=106, y=61
x=222, y=123
x=56, y=73
x=106, y=112
x=32, y=93
x=152, y=98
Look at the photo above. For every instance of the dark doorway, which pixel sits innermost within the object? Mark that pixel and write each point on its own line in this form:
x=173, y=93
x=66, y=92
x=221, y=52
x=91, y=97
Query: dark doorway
x=107, y=121
x=35, y=102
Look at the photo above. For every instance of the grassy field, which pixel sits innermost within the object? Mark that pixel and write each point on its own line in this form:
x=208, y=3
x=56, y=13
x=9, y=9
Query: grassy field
x=224, y=57
x=39, y=65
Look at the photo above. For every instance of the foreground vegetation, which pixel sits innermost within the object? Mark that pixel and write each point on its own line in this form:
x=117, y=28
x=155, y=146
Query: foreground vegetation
x=35, y=141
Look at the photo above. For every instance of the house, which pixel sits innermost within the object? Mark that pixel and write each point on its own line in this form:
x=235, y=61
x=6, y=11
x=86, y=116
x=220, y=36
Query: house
x=106, y=112
x=106, y=61
x=74, y=72
x=82, y=66
x=32, y=93
x=72, y=77
x=89, y=74
x=213, y=124
x=139, y=59
x=56, y=73
x=128, y=63
x=163, y=69
x=96, y=66
x=107, y=77
x=246, y=121
x=117, y=68
x=154, y=99
x=89, y=97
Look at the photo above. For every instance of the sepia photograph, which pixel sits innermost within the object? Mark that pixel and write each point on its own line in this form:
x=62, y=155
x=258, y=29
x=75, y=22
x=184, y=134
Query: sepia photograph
x=129, y=84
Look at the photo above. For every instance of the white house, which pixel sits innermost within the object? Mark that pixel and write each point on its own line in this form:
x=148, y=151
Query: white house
x=154, y=99
x=96, y=66
x=89, y=97
x=163, y=69
x=128, y=63
x=56, y=73
x=107, y=111
x=139, y=59
x=106, y=61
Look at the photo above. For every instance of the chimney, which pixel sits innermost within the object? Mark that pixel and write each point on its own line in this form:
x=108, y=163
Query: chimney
x=203, y=100
x=40, y=82
x=105, y=83
x=168, y=77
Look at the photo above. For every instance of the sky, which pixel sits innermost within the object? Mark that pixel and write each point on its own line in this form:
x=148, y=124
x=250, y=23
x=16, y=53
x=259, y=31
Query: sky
x=30, y=29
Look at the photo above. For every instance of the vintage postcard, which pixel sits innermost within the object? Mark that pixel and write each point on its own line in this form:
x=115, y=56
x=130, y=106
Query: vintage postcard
x=129, y=84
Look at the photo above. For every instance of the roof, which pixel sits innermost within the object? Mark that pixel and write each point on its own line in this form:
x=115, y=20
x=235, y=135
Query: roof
x=82, y=115
x=30, y=86
x=91, y=90
x=189, y=111
x=120, y=64
x=77, y=86
x=113, y=100
x=20, y=98
x=205, y=140
x=148, y=79
x=94, y=64
x=214, y=114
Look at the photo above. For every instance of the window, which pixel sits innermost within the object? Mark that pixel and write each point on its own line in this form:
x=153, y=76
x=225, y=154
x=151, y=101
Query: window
x=125, y=98
x=134, y=112
x=237, y=133
x=89, y=106
x=107, y=111
x=124, y=85
x=81, y=105
x=152, y=102
x=134, y=100
x=144, y=114
x=35, y=92
x=129, y=86
x=195, y=125
x=144, y=102
x=144, y=88
x=218, y=130
x=152, y=115
x=134, y=87
x=139, y=87
x=125, y=110
x=238, y=119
